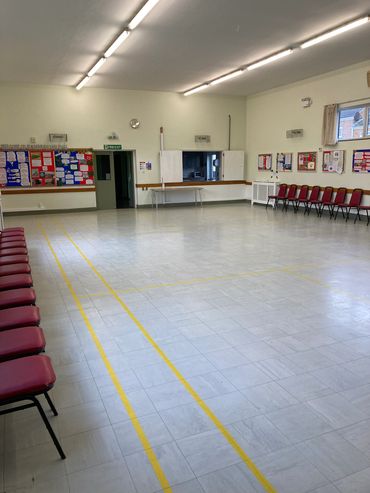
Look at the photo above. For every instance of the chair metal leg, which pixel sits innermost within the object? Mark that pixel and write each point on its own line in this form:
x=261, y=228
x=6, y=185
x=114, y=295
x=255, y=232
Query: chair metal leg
x=50, y=402
x=49, y=428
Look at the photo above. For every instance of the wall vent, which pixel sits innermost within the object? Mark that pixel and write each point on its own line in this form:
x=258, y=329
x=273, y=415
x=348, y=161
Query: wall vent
x=58, y=138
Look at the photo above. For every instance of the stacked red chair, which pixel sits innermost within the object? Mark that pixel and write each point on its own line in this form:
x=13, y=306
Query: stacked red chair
x=354, y=203
x=312, y=199
x=280, y=196
x=25, y=374
x=291, y=196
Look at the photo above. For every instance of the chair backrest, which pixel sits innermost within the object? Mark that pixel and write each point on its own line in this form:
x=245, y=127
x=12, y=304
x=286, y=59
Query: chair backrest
x=282, y=191
x=327, y=194
x=292, y=191
x=315, y=193
x=303, y=192
x=340, y=198
x=356, y=197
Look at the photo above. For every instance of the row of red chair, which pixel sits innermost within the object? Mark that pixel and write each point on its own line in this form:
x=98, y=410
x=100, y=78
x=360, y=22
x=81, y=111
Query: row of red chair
x=25, y=374
x=288, y=194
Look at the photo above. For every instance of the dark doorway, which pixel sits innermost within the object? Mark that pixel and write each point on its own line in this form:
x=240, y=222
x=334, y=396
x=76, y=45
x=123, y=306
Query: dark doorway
x=124, y=179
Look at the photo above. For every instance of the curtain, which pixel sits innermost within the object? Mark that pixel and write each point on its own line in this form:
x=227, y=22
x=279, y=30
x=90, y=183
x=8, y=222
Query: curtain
x=329, y=126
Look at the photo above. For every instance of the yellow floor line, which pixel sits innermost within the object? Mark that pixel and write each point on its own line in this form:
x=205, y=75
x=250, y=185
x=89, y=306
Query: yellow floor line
x=222, y=429
x=165, y=485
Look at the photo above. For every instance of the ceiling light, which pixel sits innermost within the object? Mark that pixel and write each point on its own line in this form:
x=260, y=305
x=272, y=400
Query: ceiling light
x=96, y=67
x=83, y=82
x=117, y=43
x=270, y=59
x=226, y=77
x=196, y=89
x=143, y=12
x=335, y=32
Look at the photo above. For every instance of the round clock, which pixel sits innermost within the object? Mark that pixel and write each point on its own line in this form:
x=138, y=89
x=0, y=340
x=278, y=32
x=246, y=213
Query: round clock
x=134, y=123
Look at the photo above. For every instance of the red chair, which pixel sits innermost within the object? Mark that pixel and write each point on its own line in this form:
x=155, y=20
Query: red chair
x=340, y=198
x=313, y=198
x=15, y=281
x=20, y=229
x=291, y=196
x=11, y=239
x=25, y=379
x=324, y=201
x=13, y=244
x=302, y=197
x=18, y=343
x=8, y=270
x=17, y=297
x=354, y=203
x=13, y=259
x=281, y=195
x=8, y=234
x=365, y=208
x=20, y=316
x=13, y=251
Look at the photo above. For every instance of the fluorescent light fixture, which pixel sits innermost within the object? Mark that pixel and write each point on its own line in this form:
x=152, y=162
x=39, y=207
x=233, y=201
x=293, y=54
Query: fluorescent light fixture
x=143, y=12
x=270, y=59
x=335, y=32
x=223, y=78
x=96, y=67
x=83, y=82
x=117, y=43
x=195, y=90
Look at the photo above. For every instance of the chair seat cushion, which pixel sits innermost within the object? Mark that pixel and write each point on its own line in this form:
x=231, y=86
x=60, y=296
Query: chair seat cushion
x=13, y=259
x=8, y=234
x=20, y=316
x=13, y=251
x=15, y=281
x=8, y=270
x=21, y=342
x=9, y=239
x=364, y=207
x=17, y=297
x=18, y=228
x=13, y=244
x=31, y=375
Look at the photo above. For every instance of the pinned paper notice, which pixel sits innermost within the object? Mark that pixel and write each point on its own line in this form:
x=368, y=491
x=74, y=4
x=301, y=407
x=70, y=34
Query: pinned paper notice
x=84, y=167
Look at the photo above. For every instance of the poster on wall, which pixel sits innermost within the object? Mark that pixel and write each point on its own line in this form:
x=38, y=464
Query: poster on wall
x=264, y=162
x=307, y=161
x=284, y=161
x=42, y=168
x=333, y=162
x=361, y=161
x=74, y=167
x=14, y=169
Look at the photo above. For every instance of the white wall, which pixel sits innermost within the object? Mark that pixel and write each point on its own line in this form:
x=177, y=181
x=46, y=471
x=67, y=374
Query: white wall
x=270, y=114
x=90, y=115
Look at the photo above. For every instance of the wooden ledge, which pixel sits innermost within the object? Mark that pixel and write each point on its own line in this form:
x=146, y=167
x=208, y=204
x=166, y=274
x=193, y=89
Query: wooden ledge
x=26, y=191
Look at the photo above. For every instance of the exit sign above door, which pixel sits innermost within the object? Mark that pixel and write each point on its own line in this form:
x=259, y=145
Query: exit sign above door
x=112, y=147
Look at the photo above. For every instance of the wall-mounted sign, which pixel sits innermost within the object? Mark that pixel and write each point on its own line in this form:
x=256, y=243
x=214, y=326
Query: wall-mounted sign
x=112, y=147
x=202, y=139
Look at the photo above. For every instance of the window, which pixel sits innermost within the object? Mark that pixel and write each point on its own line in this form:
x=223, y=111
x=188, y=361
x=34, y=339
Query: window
x=103, y=166
x=201, y=166
x=354, y=122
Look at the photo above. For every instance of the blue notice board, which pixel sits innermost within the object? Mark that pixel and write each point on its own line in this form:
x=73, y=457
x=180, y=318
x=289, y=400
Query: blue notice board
x=74, y=167
x=14, y=169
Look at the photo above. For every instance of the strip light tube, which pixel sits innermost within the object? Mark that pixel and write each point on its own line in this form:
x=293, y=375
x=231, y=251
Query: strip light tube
x=195, y=90
x=143, y=12
x=270, y=59
x=96, y=67
x=117, y=43
x=229, y=76
x=84, y=81
x=335, y=32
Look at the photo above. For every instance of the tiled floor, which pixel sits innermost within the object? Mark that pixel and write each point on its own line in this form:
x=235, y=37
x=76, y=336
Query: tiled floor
x=265, y=314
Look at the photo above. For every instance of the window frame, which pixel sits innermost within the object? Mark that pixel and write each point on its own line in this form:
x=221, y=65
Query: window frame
x=366, y=123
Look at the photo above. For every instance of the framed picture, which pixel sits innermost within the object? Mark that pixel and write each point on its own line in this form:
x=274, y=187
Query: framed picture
x=361, y=161
x=284, y=161
x=307, y=161
x=264, y=162
x=333, y=162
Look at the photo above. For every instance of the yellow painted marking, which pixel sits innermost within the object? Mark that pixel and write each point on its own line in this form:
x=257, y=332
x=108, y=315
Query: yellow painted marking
x=165, y=485
x=221, y=428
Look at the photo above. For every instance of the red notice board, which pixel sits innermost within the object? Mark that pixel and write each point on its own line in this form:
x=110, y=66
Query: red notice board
x=42, y=168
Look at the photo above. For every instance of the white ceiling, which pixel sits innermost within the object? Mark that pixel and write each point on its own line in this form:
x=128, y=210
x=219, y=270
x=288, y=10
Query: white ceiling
x=181, y=43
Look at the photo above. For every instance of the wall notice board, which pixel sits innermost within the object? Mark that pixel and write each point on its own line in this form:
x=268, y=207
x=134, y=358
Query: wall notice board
x=14, y=169
x=42, y=168
x=264, y=162
x=361, y=161
x=333, y=161
x=306, y=161
x=74, y=167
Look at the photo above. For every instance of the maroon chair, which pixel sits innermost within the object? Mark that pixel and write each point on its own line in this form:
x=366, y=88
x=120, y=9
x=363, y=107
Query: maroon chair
x=20, y=229
x=8, y=270
x=17, y=297
x=13, y=259
x=13, y=251
x=291, y=196
x=13, y=244
x=11, y=239
x=313, y=199
x=354, y=203
x=365, y=208
x=325, y=200
x=281, y=195
x=9, y=234
x=21, y=342
x=20, y=316
x=25, y=379
x=340, y=198
x=15, y=281
x=302, y=197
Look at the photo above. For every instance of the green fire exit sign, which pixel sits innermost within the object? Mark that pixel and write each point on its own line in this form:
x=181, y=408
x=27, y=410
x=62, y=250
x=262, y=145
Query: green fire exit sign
x=112, y=147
